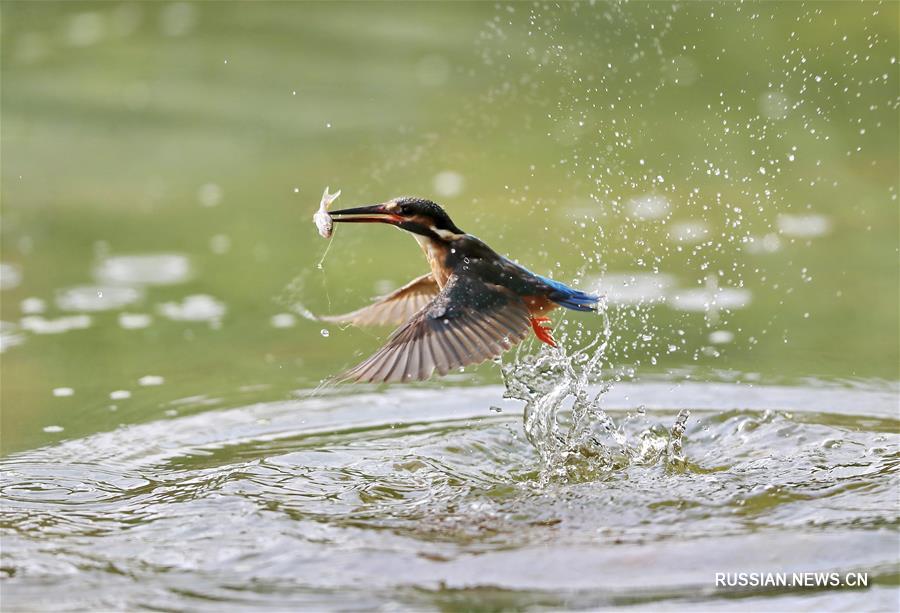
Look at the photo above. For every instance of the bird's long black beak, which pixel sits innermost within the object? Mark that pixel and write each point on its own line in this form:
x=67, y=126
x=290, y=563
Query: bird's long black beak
x=376, y=213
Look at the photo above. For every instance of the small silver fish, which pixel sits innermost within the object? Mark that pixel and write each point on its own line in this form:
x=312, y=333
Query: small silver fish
x=322, y=217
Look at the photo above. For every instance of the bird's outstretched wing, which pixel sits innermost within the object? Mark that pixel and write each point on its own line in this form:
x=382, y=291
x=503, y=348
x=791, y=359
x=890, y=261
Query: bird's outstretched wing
x=468, y=322
x=394, y=308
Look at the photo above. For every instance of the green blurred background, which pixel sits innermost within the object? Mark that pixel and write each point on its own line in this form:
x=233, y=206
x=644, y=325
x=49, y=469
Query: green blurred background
x=744, y=155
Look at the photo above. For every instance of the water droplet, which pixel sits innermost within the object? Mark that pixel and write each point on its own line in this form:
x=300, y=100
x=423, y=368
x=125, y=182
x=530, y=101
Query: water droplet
x=61, y=392
x=53, y=429
x=325, y=333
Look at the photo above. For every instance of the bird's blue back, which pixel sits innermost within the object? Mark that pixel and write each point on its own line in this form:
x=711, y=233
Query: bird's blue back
x=505, y=272
x=569, y=297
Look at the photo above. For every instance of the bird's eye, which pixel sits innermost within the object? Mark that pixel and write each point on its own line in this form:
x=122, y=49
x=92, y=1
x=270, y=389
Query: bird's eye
x=403, y=210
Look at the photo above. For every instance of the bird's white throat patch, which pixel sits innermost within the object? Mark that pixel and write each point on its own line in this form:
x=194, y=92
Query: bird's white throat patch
x=447, y=235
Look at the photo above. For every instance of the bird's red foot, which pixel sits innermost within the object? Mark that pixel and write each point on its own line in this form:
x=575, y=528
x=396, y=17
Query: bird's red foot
x=542, y=332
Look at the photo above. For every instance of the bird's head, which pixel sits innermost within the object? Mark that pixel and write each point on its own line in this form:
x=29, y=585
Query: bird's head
x=415, y=215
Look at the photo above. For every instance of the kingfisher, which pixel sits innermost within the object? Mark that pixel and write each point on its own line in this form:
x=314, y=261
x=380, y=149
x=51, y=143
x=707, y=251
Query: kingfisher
x=472, y=306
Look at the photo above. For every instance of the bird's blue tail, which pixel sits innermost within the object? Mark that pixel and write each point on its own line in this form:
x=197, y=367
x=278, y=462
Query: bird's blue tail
x=570, y=298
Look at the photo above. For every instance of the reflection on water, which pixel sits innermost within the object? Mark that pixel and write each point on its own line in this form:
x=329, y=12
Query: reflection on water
x=147, y=380
x=149, y=269
x=33, y=306
x=648, y=206
x=721, y=337
x=769, y=243
x=199, y=307
x=448, y=184
x=647, y=289
x=41, y=325
x=710, y=299
x=10, y=276
x=638, y=288
x=134, y=321
x=283, y=320
x=210, y=194
x=9, y=335
x=804, y=226
x=688, y=232
x=97, y=297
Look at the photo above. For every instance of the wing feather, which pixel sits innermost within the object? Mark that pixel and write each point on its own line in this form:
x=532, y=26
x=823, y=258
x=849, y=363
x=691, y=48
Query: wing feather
x=394, y=308
x=436, y=360
x=467, y=322
x=454, y=352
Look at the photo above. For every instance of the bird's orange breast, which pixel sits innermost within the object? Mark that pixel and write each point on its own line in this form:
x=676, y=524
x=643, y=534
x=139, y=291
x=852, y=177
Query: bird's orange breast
x=538, y=305
x=436, y=254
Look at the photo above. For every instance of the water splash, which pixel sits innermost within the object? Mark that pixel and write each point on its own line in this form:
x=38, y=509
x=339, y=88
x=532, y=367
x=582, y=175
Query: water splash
x=564, y=420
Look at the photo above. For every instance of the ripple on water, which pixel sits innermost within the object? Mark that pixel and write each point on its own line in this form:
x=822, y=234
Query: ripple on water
x=143, y=269
x=413, y=489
